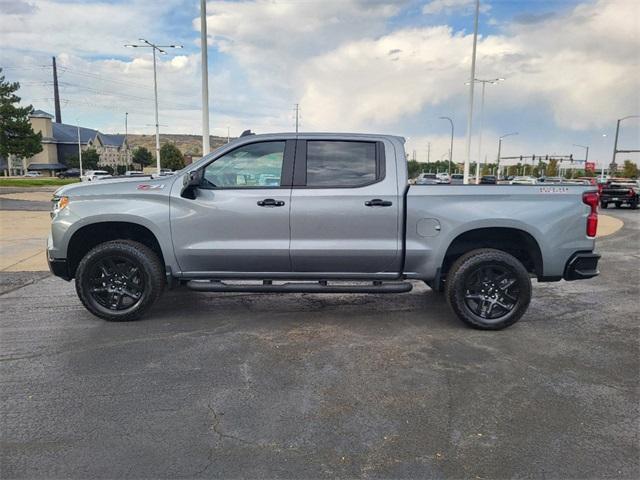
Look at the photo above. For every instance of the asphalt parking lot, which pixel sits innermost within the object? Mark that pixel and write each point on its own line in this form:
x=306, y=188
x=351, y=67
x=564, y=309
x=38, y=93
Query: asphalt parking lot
x=311, y=386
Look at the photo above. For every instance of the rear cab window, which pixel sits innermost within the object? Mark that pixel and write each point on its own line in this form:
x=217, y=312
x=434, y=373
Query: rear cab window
x=340, y=164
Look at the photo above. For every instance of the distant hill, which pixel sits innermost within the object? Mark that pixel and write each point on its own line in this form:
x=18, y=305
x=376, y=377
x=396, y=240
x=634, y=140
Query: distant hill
x=188, y=144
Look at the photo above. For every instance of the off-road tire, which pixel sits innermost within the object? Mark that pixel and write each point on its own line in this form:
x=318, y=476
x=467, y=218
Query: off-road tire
x=469, y=264
x=151, y=273
x=633, y=205
x=604, y=205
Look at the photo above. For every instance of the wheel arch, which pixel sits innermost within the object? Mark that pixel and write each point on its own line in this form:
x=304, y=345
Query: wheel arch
x=90, y=235
x=515, y=241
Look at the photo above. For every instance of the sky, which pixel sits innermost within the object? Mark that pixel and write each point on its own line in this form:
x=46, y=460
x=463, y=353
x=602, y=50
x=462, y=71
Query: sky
x=571, y=69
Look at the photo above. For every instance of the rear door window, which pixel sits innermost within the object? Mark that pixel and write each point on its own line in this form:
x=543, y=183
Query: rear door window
x=341, y=163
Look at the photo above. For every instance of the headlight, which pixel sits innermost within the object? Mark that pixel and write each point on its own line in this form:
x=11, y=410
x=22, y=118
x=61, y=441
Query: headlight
x=58, y=202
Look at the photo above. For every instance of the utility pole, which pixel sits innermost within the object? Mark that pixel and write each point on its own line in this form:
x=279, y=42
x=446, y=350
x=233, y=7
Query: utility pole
x=297, y=115
x=206, y=147
x=228, y=134
x=467, y=160
x=79, y=149
x=428, y=151
x=159, y=48
x=500, y=147
x=56, y=94
x=450, y=149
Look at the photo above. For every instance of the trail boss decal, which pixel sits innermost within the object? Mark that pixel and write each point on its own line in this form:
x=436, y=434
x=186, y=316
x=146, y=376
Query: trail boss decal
x=554, y=189
x=146, y=186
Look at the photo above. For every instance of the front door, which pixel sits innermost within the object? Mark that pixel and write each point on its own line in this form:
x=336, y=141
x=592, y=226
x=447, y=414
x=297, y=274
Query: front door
x=239, y=220
x=345, y=213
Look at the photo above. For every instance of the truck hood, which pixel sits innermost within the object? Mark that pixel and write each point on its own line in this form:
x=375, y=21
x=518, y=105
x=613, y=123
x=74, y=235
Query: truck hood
x=118, y=186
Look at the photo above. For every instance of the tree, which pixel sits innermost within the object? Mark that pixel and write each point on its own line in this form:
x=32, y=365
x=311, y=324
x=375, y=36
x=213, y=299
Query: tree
x=552, y=168
x=90, y=159
x=171, y=157
x=142, y=156
x=630, y=169
x=17, y=137
x=415, y=168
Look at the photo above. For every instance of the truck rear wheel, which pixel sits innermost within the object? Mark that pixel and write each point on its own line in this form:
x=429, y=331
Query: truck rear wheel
x=119, y=280
x=488, y=289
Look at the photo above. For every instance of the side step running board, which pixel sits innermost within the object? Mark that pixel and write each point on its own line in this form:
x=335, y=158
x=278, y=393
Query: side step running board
x=299, y=287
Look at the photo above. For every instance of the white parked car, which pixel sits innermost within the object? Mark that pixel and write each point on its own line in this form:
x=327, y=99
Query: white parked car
x=443, y=178
x=92, y=175
x=525, y=180
x=33, y=174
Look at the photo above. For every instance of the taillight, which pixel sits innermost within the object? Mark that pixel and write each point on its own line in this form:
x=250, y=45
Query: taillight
x=591, y=199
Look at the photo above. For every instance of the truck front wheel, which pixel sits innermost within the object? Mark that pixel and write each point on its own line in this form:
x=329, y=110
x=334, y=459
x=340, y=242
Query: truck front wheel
x=488, y=289
x=119, y=280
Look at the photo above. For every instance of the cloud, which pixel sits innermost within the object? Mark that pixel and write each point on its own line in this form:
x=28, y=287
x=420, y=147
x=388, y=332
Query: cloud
x=466, y=7
x=16, y=7
x=574, y=65
x=531, y=18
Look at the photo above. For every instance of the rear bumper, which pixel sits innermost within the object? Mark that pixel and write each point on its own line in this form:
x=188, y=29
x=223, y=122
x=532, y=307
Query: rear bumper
x=58, y=267
x=582, y=265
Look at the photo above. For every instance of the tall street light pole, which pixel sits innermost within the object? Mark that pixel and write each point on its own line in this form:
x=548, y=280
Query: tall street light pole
x=615, y=142
x=154, y=48
x=451, y=149
x=206, y=148
x=472, y=76
x=500, y=148
x=491, y=81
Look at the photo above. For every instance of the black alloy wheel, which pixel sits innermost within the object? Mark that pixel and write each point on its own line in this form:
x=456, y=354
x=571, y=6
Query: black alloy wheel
x=491, y=291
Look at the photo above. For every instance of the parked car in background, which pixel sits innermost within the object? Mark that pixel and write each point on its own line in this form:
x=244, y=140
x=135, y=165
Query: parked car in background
x=443, y=178
x=457, y=179
x=165, y=172
x=135, y=173
x=92, y=175
x=546, y=180
x=488, y=180
x=590, y=180
x=33, y=174
x=524, y=180
x=619, y=193
x=426, y=179
x=341, y=219
x=70, y=173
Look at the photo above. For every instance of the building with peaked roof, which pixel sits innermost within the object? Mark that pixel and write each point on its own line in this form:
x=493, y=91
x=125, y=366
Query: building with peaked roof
x=60, y=143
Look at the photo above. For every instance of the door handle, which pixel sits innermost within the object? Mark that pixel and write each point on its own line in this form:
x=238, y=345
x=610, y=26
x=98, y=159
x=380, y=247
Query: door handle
x=270, y=202
x=376, y=202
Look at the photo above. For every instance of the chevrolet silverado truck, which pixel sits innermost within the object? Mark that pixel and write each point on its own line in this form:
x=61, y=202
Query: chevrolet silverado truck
x=318, y=213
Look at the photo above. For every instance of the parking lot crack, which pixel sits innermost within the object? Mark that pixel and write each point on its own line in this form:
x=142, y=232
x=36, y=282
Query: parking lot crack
x=215, y=426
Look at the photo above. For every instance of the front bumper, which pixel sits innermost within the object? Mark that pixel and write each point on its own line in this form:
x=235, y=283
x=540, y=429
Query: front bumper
x=581, y=266
x=59, y=267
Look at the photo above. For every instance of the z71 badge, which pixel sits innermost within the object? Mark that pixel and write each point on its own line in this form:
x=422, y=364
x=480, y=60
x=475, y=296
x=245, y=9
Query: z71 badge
x=146, y=186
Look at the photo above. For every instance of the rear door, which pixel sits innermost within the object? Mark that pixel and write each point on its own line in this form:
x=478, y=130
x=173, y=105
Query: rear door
x=239, y=220
x=345, y=209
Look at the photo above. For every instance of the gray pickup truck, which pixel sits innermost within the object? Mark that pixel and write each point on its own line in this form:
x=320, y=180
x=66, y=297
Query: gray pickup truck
x=318, y=213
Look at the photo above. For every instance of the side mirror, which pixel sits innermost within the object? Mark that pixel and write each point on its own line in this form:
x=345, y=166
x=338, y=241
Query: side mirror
x=190, y=183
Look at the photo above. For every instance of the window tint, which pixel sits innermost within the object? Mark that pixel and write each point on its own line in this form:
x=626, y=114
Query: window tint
x=254, y=165
x=340, y=164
